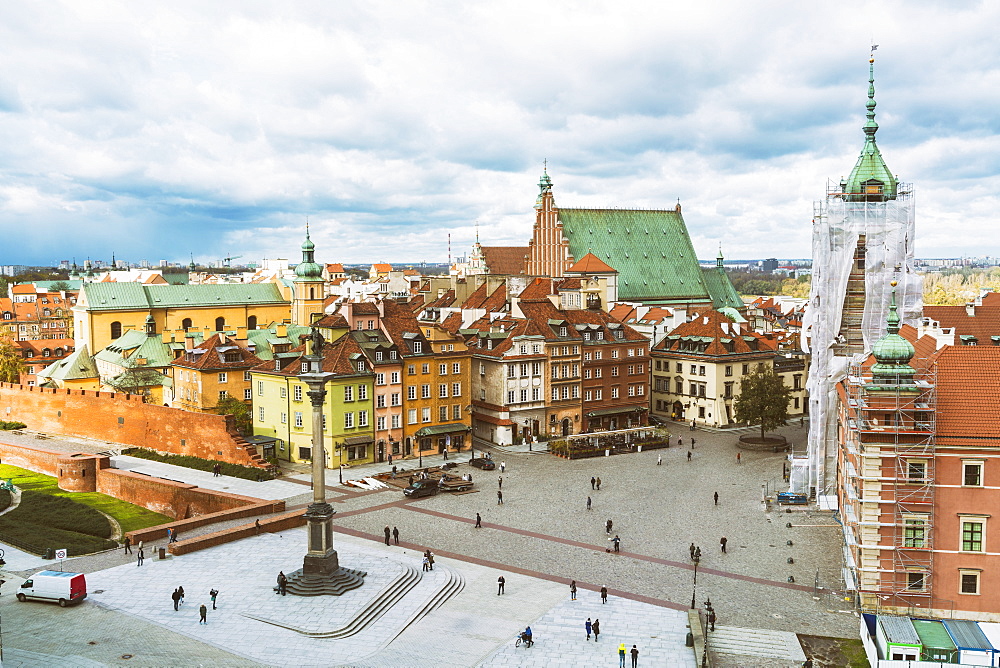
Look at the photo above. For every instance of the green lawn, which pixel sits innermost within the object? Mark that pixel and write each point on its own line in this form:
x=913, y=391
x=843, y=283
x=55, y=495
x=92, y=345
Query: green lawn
x=129, y=516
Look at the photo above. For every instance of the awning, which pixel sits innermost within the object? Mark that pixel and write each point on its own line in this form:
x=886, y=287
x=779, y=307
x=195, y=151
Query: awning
x=614, y=411
x=358, y=440
x=441, y=429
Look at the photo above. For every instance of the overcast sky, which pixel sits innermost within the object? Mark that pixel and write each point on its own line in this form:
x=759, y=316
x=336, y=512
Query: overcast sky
x=158, y=130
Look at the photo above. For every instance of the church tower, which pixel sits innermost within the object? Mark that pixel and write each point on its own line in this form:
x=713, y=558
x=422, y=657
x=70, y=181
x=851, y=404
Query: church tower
x=863, y=236
x=308, y=292
x=548, y=250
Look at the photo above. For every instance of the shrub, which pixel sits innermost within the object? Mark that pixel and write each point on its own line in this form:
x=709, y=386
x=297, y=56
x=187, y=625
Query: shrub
x=51, y=521
x=7, y=426
x=199, y=464
x=5, y=500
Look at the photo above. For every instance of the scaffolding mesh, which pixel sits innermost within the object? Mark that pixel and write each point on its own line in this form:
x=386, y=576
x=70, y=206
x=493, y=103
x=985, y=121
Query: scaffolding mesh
x=858, y=249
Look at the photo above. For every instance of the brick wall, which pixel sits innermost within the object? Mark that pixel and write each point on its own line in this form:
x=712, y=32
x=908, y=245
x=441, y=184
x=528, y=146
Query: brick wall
x=182, y=526
x=271, y=524
x=125, y=419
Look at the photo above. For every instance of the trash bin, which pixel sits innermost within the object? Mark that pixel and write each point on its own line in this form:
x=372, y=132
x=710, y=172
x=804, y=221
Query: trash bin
x=49, y=553
x=163, y=553
x=689, y=641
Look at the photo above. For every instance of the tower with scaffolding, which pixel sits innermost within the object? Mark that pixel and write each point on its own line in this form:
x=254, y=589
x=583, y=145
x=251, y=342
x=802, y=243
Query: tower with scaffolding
x=863, y=235
x=886, y=465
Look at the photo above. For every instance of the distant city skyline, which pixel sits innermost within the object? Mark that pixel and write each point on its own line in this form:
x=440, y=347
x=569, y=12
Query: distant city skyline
x=164, y=131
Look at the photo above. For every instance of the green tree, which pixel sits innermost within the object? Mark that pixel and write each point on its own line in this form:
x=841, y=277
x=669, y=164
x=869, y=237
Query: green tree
x=240, y=412
x=60, y=286
x=763, y=399
x=11, y=362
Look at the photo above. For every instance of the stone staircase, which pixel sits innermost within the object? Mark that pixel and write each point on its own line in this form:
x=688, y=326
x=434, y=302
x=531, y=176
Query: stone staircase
x=765, y=644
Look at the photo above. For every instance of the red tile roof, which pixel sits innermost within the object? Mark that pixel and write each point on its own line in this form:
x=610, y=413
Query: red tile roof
x=983, y=324
x=591, y=264
x=505, y=259
x=712, y=327
x=968, y=395
x=211, y=355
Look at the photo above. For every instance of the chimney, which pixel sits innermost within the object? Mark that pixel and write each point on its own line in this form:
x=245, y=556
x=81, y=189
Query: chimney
x=188, y=343
x=281, y=331
x=970, y=309
x=241, y=333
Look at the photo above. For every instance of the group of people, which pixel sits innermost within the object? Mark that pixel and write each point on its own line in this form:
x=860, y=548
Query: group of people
x=178, y=598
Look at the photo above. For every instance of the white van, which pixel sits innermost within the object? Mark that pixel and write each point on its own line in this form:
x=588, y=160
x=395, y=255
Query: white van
x=66, y=588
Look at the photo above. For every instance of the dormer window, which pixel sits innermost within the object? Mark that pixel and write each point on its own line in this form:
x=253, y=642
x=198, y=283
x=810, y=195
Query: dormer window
x=600, y=336
x=378, y=355
x=418, y=347
x=563, y=331
x=392, y=354
x=619, y=334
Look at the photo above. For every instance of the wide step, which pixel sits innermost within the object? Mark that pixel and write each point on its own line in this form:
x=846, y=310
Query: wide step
x=755, y=642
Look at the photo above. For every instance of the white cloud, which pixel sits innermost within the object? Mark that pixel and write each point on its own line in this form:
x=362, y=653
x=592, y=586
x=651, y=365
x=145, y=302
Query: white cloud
x=158, y=129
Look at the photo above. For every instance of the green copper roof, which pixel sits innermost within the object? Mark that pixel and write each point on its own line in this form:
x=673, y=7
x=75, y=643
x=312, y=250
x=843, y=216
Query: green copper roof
x=76, y=366
x=261, y=337
x=308, y=269
x=892, y=352
x=870, y=180
x=650, y=249
x=137, y=346
x=724, y=295
x=130, y=296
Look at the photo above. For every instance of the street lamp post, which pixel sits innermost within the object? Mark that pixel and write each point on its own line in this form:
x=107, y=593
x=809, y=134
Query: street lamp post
x=694, y=590
x=527, y=433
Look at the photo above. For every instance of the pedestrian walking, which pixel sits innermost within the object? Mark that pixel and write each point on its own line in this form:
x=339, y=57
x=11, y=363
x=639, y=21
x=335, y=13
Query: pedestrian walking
x=692, y=442
x=598, y=483
x=176, y=598
x=689, y=455
x=617, y=542
x=128, y=545
x=635, y=656
x=430, y=559
x=722, y=543
x=500, y=583
x=170, y=534
x=604, y=594
x=738, y=457
x=503, y=466
x=589, y=502
x=214, y=594
x=680, y=442
x=139, y=557
x=180, y=590
x=572, y=590
x=659, y=460
x=607, y=527
x=395, y=535
x=711, y=620
x=621, y=655
x=203, y=611
x=589, y=626
x=387, y=533
x=692, y=425
x=173, y=537
x=426, y=564
x=697, y=553
x=691, y=550
x=282, y=583
x=499, y=497
x=500, y=481
x=256, y=526
x=593, y=482
x=479, y=522
x=597, y=629
x=716, y=497
x=446, y=454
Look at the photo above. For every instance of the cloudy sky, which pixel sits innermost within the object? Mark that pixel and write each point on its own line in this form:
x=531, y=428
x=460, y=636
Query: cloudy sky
x=159, y=130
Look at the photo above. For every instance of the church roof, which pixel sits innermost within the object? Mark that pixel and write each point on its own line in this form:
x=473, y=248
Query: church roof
x=724, y=294
x=591, y=264
x=505, y=259
x=132, y=296
x=650, y=249
x=870, y=180
x=76, y=366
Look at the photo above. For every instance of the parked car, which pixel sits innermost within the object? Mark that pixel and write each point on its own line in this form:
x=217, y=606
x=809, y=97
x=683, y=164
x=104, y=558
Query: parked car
x=422, y=488
x=483, y=463
x=55, y=586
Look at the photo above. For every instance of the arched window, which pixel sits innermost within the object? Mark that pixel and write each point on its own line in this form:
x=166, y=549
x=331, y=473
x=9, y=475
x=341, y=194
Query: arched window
x=186, y=324
x=47, y=313
x=116, y=330
x=312, y=293
x=220, y=324
x=7, y=315
x=252, y=322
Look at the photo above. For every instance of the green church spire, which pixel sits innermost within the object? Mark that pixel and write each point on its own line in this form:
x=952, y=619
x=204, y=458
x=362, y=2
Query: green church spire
x=892, y=352
x=870, y=180
x=308, y=269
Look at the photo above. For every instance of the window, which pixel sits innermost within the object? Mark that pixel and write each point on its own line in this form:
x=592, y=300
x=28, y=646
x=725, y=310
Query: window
x=729, y=391
x=247, y=394
x=614, y=354
x=348, y=420
x=116, y=330
x=394, y=421
x=536, y=394
x=701, y=371
x=362, y=392
x=598, y=395
x=394, y=378
x=443, y=390
x=523, y=350
x=797, y=381
x=973, y=530
x=916, y=469
x=914, y=531
x=600, y=337
x=411, y=369
x=223, y=395
x=482, y=369
x=614, y=392
x=631, y=390
x=597, y=372
x=298, y=419
x=694, y=389
x=680, y=386
x=297, y=393
x=972, y=473
x=555, y=394
x=456, y=389
x=969, y=581
x=587, y=395
x=220, y=324
x=362, y=418
x=442, y=369
x=425, y=414
x=564, y=392
x=524, y=395
x=283, y=392
x=456, y=367
x=378, y=355
x=348, y=393
x=425, y=368
x=223, y=377
x=425, y=391
x=411, y=416
x=524, y=369
x=915, y=581
x=380, y=379
x=511, y=396
x=576, y=391
x=641, y=390
x=563, y=331
x=380, y=423
x=379, y=401
x=598, y=355
x=260, y=413
x=418, y=347
x=260, y=388
x=586, y=374
x=536, y=368
x=456, y=412
x=411, y=392
x=246, y=376
x=442, y=413
x=746, y=369
x=586, y=357
x=395, y=399
x=284, y=418
x=614, y=370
